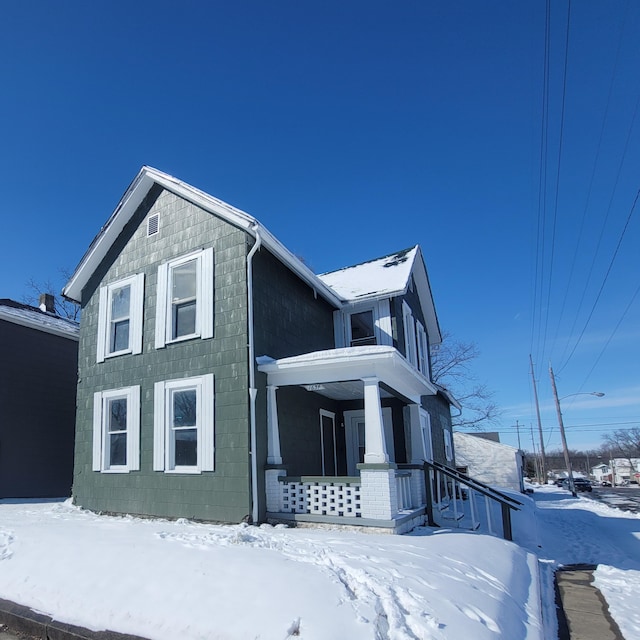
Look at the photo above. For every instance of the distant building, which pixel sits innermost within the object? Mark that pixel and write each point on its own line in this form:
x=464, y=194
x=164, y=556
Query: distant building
x=38, y=379
x=491, y=462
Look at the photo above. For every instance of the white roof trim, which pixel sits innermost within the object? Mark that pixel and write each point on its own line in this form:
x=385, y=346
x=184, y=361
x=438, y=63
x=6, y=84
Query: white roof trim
x=132, y=199
x=351, y=363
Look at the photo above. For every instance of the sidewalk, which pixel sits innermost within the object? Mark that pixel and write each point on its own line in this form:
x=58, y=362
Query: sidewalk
x=21, y=623
x=583, y=613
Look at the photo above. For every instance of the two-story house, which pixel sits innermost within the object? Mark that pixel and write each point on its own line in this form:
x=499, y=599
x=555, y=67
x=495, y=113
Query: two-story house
x=221, y=379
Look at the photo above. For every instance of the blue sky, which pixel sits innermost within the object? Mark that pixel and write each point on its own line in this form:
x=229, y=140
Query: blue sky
x=352, y=130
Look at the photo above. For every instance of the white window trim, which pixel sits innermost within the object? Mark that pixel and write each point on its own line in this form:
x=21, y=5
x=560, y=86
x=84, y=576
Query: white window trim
x=100, y=444
x=204, y=299
x=136, y=303
x=204, y=386
x=381, y=323
x=423, y=350
x=409, y=334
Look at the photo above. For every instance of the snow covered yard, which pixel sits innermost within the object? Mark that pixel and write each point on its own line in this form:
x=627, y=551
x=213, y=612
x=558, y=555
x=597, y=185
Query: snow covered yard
x=167, y=580
x=161, y=579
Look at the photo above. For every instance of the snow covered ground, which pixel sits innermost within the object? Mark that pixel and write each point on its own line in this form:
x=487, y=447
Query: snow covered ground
x=167, y=580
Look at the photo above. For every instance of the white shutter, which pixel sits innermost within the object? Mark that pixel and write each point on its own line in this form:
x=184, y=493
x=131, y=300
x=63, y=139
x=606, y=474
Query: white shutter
x=133, y=429
x=136, y=312
x=425, y=428
x=447, y=446
x=103, y=310
x=208, y=423
x=97, y=431
x=161, y=305
x=158, y=426
x=423, y=361
x=383, y=323
x=206, y=293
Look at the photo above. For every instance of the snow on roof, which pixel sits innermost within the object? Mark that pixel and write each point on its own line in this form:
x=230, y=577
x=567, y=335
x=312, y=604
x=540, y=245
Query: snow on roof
x=329, y=354
x=34, y=318
x=380, y=277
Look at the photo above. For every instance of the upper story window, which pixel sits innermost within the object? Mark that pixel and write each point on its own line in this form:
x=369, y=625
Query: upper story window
x=366, y=324
x=120, y=317
x=185, y=298
x=362, y=329
x=116, y=430
x=416, y=346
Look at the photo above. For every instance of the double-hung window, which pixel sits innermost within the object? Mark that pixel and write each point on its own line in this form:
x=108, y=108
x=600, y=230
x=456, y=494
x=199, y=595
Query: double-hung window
x=183, y=425
x=120, y=317
x=116, y=430
x=185, y=298
x=361, y=326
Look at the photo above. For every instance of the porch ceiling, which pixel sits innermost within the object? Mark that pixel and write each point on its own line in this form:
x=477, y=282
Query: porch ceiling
x=340, y=371
x=347, y=390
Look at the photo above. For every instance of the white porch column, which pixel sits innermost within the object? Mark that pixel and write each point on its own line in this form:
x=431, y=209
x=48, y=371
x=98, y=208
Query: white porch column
x=273, y=432
x=374, y=442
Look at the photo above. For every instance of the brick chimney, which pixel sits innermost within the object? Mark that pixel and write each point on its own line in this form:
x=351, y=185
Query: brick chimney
x=47, y=303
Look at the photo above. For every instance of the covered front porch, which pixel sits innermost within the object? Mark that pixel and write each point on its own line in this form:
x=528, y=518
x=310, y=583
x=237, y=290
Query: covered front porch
x=347, y=437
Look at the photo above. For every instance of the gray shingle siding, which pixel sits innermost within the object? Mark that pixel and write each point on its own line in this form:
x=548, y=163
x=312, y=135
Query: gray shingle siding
x=221, y=495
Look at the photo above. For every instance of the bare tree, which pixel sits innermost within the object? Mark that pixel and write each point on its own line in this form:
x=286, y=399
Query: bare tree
x=62, y=307
x=451, y=368
x=623, y=443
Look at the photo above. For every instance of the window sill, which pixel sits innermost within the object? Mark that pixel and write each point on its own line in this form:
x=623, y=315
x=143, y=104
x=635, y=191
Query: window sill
x=190, y=471
x=191, y=336
x=115, y=354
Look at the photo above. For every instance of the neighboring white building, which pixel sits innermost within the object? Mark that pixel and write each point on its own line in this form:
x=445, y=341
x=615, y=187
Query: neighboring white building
x=493, y=463
x=624, y=470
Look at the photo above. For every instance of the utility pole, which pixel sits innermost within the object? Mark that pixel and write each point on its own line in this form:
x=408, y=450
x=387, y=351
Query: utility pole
x=517, y=426
x=536, y=461
x=567, y=461
x=543, y=462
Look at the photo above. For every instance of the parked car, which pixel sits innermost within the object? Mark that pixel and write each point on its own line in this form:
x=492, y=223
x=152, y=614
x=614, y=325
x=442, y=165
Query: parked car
x=580, y=484
x=605, y=483
x=558, y=481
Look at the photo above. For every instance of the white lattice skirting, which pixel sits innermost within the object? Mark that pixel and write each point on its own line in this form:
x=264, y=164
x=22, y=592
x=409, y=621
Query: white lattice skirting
x=325, y=499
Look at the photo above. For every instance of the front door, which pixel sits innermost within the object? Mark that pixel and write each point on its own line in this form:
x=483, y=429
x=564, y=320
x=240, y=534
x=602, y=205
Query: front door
x=328, y=443
x=354, y=427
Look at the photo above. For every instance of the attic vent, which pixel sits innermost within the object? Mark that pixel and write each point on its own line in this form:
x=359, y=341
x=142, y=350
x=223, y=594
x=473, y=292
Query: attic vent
x=153, y=224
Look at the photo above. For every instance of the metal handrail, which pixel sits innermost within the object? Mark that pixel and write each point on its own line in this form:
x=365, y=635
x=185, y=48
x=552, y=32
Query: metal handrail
x=507, y=503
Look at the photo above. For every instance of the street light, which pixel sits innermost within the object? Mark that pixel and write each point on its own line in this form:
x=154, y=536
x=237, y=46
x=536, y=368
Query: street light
x=565, y=449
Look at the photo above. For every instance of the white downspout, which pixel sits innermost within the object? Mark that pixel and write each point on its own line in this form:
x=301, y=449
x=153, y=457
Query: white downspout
x=253, y=392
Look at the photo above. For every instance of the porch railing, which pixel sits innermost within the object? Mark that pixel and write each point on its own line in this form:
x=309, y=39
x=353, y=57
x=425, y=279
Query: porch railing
x=403, y=486
x=453, y=496
x=321, y=495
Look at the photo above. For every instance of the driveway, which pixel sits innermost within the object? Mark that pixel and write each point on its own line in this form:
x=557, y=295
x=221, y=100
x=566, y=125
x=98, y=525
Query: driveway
x=625, y=498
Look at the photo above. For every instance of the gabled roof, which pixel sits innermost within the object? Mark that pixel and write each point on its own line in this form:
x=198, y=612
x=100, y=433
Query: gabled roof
x=382, y=278
x=133, y=197
x=34, y=318
x=388, y=277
